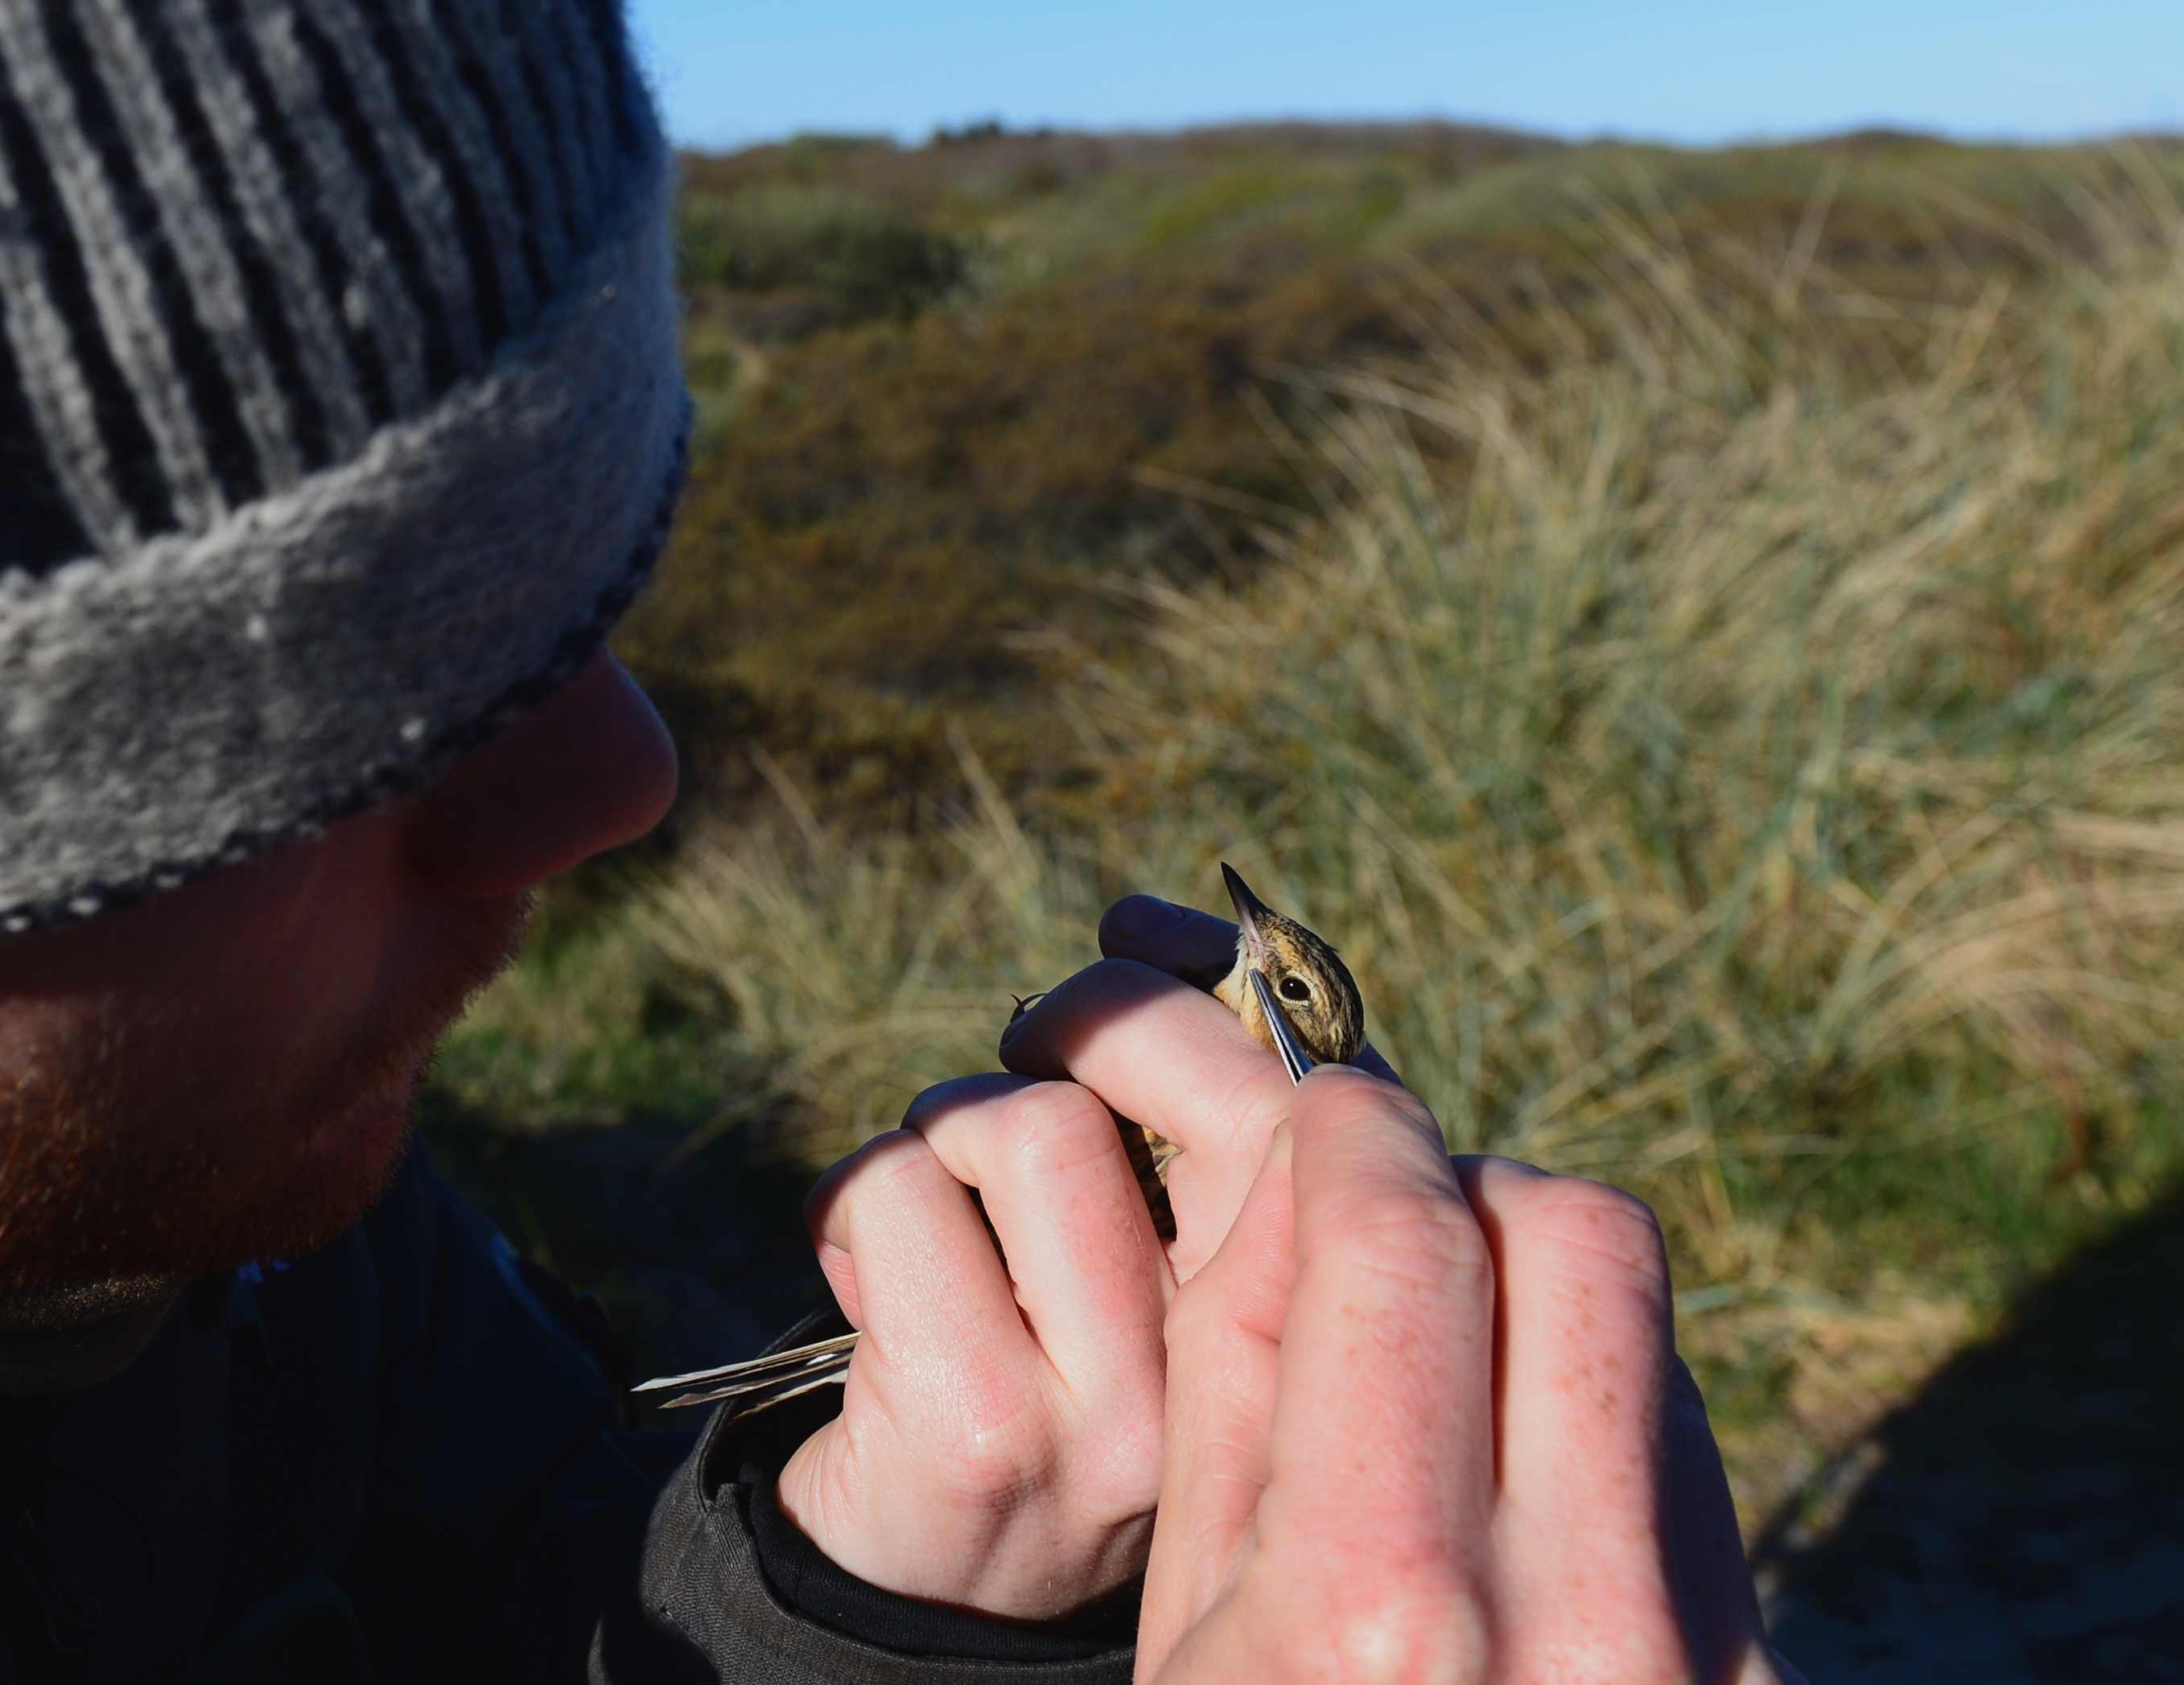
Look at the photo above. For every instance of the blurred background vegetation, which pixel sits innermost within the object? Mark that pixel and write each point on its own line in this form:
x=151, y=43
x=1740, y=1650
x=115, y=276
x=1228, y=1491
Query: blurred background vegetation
x=1699, y=630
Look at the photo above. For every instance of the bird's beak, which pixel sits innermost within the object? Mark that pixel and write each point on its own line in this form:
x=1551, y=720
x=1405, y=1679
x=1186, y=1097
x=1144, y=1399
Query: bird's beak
x=1294, y=1059
x=1249, y=912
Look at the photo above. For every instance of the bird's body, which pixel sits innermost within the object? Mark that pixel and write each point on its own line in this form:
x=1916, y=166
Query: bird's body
x=1280, y=966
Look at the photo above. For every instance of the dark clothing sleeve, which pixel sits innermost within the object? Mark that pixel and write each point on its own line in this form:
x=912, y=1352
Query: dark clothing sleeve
x=812, y=1584
x=732, y=1593
x=403, y=1458
x=506, y=1482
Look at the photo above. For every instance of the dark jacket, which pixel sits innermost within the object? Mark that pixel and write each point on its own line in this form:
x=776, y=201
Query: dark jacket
x=401, y=1460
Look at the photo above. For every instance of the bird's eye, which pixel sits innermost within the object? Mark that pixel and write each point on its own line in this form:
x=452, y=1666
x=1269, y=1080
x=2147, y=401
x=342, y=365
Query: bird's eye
x=1295, y=988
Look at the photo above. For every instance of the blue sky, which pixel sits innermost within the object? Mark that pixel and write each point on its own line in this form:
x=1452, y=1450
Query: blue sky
x=1689, y=70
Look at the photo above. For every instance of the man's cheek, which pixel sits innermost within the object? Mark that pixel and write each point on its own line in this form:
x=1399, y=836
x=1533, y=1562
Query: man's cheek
x=174, y=1135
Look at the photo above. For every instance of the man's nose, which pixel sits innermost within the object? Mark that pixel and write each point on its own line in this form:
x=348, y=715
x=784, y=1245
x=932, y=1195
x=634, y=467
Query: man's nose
x=590, y=768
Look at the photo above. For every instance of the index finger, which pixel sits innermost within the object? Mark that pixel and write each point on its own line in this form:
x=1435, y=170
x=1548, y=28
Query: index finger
x=1163, y=1055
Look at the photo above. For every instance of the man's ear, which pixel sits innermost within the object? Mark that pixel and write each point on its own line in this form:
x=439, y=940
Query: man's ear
x=589, y=769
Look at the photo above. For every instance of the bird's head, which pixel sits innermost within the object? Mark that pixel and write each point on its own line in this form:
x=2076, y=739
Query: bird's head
x=1316, y=993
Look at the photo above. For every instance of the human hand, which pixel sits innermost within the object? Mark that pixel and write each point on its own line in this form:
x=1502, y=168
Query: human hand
x=999, y=1447
x=1000, y=1443
x=1423, y=1418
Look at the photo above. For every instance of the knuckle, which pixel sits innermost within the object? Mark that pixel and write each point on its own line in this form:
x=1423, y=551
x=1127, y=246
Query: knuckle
x=1357, y=1099
x=889, y=1159
x=1054, y=1127
x=993, y=1463
x=1421, y=1621
x=895, y=1173
x=1412, y=1234
x=1193, y=1319
x=982, y=1425
x=1209, y=1331
x=880, y=1161
x=1595, y=1221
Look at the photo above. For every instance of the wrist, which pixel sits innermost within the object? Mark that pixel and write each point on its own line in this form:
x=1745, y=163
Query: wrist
x=820, y=1589
x=736, y=1470
x=1010, y=1549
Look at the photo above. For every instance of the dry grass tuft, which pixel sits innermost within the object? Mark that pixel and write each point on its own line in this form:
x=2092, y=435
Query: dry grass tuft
x=1694, y=746
x=1742, y=755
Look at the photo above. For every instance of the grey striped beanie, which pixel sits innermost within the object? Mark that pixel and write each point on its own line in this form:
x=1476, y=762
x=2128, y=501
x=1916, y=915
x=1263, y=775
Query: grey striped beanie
x=339, y=408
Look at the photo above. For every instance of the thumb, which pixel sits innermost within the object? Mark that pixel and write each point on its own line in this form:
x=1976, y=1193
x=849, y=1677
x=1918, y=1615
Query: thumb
x=1224, y=1349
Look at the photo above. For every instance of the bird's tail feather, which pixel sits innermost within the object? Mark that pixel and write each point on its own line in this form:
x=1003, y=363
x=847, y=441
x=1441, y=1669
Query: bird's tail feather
x=762, y=1380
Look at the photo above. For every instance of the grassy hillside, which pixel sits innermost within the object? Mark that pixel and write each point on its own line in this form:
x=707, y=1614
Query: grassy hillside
x=947, y=390
x=1698, y=631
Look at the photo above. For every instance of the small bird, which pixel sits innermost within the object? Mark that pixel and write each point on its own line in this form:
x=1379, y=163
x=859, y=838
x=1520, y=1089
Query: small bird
x=1319, y=998
x=1295, y=998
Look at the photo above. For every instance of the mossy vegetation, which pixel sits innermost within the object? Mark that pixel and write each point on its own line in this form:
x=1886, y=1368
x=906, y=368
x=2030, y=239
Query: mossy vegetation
x=1698, y=631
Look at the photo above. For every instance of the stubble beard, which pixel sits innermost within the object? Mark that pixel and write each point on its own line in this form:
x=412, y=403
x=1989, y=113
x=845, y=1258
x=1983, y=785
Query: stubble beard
x=127, y=1158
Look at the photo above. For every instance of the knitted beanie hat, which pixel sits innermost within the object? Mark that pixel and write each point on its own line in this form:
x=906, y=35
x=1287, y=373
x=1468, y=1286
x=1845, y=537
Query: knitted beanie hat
x=339, y=408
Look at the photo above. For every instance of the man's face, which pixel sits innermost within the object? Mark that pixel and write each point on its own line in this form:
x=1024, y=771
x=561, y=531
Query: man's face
x=225, y=1072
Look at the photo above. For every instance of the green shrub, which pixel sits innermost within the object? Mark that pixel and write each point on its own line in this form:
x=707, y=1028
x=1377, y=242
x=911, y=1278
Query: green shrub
x=853, y=259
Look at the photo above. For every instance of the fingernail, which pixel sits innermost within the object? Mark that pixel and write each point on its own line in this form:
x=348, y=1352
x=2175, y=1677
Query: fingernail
x=1142, y=917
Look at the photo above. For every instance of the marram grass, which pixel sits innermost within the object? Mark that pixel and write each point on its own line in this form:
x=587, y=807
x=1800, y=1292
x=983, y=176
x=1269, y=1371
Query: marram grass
x=1700, y=759
x=1743, y=758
